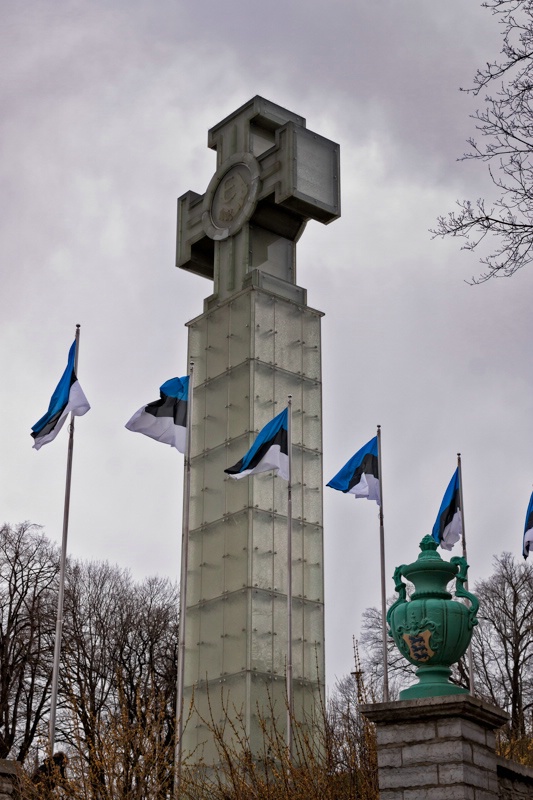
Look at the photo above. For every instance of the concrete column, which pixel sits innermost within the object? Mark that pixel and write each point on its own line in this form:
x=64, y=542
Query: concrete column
x=438, y=748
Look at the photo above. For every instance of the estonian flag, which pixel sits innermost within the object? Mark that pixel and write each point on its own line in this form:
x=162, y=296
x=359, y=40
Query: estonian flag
x=360, y=476
x=165, y=420
x=68, y=398
x=448, y=527
x=269, y=451
x=528, y=529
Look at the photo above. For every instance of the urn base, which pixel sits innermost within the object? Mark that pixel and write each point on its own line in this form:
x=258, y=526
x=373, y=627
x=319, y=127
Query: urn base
x=433, y=681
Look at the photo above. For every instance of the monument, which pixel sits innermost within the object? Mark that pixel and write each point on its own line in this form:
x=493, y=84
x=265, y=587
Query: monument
x=256, y=342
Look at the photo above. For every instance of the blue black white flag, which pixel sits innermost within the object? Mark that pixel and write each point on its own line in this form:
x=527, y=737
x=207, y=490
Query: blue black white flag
x=528, y=529
x=165, y=420
x=360, y=475
x=448, y=527
x=269, y=451
x=68, y=398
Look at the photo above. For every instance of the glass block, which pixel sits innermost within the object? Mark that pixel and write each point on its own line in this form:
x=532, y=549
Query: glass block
x=239, y=330
x=217, y=342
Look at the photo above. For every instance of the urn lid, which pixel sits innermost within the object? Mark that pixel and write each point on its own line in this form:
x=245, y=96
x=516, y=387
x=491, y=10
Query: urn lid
x=430, y=568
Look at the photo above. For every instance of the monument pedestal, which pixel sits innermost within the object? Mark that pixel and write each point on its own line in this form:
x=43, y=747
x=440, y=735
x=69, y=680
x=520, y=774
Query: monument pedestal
x=438, y=748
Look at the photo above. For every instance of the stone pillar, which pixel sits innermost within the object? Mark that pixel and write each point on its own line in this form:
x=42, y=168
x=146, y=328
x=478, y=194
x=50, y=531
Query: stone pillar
x=438, y=748
x=9, y=779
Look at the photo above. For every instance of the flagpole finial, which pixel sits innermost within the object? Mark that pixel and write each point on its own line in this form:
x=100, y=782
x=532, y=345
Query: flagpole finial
x=78, y=325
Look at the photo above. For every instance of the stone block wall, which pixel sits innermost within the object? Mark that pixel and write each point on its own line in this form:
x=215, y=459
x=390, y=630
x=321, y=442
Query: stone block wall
x=9, y=779
x=439, y=748
x=515, y=781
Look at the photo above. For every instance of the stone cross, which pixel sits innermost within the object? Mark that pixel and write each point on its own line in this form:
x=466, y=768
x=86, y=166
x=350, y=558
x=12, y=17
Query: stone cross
x=272, y=176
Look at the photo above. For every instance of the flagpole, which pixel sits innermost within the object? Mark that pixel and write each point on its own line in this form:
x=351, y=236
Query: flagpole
x=470, y=657
x=289, y=582
x=62, y=566
x=183, y=589
x=383, y=589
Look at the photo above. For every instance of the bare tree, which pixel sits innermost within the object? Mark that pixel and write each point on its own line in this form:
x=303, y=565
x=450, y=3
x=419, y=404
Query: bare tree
x=29, y=566
x=503, y=643
x=502, y=230
x=118, y=681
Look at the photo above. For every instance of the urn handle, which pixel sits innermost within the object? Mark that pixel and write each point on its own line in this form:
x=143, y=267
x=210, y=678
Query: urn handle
x=460, y=591
x=401, y=588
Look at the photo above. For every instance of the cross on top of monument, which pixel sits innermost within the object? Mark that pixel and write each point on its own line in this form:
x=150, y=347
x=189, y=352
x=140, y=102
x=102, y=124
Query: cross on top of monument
x=272, y=176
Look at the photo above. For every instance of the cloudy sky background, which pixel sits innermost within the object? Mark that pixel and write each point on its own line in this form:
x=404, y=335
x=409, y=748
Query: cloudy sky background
x=105, y=111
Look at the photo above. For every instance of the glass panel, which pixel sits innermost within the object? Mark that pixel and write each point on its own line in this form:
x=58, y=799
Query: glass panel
x=214, y=505
x=233, y=635
x=194, y=574
x=196, y=350
x=192, y=646
x=311, y=348
x=280, y=555
x=216, y=411
x=288, y=344
x=240, y=320
x=313, y=588
x=263, y=551
x=237, y=492
x=262, y=631
x=210, y=641
x=281, y=631
x=314, y=641
x=235, y=552
x=297, y=559
x=217, y=342
x=312, y=416
x=213, y=562
x=312, y=494
x=264, y=328
x=239, y=401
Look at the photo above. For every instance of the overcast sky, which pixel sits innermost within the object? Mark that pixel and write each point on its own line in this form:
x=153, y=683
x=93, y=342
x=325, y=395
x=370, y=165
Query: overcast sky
x=105, y=111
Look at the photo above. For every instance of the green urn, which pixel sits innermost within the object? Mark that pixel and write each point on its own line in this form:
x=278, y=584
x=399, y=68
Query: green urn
x=432, y=629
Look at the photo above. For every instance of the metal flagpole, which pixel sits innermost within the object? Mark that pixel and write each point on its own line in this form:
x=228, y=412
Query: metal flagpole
x=62, y=564
x=470, y=658
x=383, y=590
x=183, y=589
x=289, y=582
